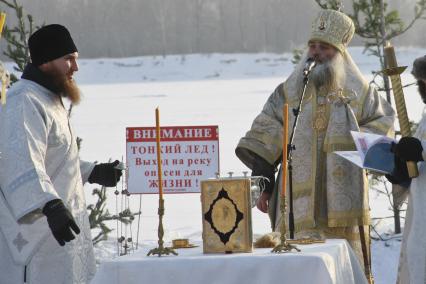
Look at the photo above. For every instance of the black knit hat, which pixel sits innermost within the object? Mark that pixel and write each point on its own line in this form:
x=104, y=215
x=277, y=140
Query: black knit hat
x=49, y=43
x=419, y=68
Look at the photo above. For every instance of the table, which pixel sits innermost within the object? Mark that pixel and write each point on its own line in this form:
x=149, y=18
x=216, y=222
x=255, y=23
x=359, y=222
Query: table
x=329, y=262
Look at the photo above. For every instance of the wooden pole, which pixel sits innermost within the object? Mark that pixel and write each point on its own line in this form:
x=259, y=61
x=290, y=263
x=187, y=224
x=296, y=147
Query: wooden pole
x=394, y=71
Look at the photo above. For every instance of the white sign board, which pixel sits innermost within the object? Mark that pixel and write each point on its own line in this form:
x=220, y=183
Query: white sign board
x=189, y=154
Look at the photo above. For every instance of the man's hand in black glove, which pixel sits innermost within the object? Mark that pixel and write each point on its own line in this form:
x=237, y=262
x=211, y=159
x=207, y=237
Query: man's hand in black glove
x=263, y=168
x=400, y=173
x=60, y=221
x=408, y=149
x=106, y=174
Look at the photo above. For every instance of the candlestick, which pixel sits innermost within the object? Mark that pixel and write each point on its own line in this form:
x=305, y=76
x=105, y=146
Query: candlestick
x=285, y=148
x=161, y=250
x=284, y=246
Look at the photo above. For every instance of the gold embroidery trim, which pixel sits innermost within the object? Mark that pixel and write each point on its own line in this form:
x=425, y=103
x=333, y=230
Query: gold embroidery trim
x=320, y=118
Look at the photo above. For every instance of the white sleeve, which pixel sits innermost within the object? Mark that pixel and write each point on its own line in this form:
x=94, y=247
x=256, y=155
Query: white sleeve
x=86, y=169
x=24, y=181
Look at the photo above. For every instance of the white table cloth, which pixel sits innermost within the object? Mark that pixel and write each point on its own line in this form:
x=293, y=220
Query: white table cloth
x=330, y=262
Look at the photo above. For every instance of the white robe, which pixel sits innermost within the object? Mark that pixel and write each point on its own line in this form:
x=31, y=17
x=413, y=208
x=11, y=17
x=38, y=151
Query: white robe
x=412, y=264
x=39, y=162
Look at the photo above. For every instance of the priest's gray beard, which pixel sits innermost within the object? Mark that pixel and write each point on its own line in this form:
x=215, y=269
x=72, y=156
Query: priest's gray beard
x=66, y=87
x=330, y=75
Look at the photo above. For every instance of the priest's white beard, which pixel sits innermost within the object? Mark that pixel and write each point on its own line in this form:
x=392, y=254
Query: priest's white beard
x=330, y=75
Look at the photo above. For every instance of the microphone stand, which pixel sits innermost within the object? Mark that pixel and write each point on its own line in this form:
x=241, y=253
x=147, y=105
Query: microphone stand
x=290, y=148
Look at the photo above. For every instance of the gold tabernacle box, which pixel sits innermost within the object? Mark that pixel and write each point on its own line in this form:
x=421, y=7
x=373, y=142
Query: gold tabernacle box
x=226, y=209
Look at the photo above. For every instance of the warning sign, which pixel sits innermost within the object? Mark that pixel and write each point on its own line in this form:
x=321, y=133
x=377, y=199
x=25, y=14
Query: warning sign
x=189, y=154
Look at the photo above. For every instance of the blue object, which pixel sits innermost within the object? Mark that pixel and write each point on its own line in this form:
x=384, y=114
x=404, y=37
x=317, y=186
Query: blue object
x=380, y=158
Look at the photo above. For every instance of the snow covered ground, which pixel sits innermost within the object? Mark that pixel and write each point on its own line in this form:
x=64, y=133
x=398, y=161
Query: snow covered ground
x=227, y=90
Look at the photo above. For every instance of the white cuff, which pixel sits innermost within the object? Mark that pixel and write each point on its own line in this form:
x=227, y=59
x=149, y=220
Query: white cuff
x=86, y=169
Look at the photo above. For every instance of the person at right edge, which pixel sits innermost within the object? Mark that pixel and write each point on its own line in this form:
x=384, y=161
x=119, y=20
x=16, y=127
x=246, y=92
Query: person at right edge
x=412, y=261
x=330, y=194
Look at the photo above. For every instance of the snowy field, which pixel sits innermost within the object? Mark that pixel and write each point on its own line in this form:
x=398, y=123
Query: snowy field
x=227, y=90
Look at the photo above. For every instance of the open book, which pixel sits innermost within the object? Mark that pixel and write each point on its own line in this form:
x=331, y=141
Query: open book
x=373, y=152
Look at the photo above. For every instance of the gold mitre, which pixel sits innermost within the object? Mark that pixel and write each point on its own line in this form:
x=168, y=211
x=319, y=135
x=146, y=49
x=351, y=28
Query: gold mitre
x=333, y=27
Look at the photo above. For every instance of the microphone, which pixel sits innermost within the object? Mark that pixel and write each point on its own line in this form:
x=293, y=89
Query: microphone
x=309, y=65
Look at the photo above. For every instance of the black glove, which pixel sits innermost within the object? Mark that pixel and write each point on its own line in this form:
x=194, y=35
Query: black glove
x=263, y=168
x=105, y=174
x=408, y=149
x=60, y=221
x=400, y=173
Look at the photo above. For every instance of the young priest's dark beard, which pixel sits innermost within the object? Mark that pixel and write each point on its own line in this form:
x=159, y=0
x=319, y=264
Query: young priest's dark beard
x=65, y=87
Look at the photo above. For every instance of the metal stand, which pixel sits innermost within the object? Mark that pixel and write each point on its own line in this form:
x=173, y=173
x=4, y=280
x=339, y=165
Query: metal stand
x=139, y=220
x=124, y=216
x=161, y=250
x=284, y=246
x=290, y=149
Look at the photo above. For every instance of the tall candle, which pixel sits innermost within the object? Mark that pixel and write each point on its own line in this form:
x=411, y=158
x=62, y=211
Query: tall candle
x=157, y=138
x=2, y=20
x=285, y=148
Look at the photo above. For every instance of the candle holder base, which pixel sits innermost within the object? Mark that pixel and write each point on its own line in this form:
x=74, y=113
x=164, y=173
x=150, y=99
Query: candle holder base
x=162, y=251
x=285, y=247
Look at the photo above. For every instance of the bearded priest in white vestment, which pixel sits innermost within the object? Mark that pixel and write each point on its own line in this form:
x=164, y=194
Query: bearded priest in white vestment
x=330, y=193
x=412, y=263
x=44, y=227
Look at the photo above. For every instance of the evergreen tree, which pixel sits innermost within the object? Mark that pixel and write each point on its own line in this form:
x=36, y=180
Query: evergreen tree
x=17, y=37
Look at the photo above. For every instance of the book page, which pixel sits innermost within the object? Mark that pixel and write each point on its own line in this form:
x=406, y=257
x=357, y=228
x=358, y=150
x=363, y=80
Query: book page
x=373, y=152
x=364, y=141
x=351, y=156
